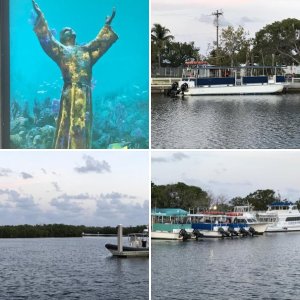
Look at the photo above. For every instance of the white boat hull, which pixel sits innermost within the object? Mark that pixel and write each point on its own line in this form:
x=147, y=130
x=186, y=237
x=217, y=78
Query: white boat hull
x=235, y=90
x=282, y=228
x=259, y=227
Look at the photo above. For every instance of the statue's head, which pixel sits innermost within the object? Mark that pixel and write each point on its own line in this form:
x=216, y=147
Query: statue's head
x=68, y=36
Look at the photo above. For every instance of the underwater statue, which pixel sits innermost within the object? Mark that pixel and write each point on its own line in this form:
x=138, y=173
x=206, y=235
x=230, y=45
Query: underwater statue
x=74, y=124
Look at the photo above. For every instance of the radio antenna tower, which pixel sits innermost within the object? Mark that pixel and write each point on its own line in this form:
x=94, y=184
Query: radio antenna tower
x=217, y=14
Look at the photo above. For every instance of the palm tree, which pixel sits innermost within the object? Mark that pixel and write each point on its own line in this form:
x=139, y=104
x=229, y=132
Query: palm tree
x=160, y=37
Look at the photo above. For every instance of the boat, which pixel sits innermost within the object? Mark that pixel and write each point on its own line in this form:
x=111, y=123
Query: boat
x=282, y=216
x=138, y=245
x=213, y=224
x=245, y=214
x=170, y=224
x=203, y=79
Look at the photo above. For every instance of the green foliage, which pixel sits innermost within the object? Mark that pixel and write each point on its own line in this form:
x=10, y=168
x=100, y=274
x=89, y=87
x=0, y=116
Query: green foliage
x=164, y=49
x=187, y=197
x=179, y=195
x=278, y=42
x=60, y=230
x=178, y=53
x=234, y=48
x=160, y=37
x=260, y=199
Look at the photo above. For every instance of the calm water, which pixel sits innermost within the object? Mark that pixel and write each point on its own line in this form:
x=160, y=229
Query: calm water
x=255, y=121
x=265, y=267
x=77, y=268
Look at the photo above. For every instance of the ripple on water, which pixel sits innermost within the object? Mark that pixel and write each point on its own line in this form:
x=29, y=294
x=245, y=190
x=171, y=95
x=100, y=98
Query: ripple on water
x=265, y=267
x=79, y=268
x=265, y=121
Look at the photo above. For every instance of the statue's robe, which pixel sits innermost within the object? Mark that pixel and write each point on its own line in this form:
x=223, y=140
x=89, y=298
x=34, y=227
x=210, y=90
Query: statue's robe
x=74, y=124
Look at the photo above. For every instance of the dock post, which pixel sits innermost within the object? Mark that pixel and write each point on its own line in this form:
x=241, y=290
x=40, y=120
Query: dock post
x=120, y=238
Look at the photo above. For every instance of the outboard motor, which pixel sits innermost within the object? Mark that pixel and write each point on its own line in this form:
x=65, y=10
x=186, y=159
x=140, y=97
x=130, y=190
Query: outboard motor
x=244, y=232
x=197, y=234
x=184, y=234
x=223, y=232
x=184, y=87
x=253, y=231
x=232, y=231
x=173, y=91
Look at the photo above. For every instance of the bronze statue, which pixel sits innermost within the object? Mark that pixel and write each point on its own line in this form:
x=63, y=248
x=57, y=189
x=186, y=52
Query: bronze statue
x=74, y=124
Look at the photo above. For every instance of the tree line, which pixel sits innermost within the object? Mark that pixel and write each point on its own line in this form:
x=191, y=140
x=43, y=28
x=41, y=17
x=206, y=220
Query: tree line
x=181, y=195
x=275, y=44
x=60, y=230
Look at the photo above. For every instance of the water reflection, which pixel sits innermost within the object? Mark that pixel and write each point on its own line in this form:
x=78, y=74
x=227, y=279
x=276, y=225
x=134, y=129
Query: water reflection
x=254, y=121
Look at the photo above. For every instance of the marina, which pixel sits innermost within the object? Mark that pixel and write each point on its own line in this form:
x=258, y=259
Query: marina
x=177, y=224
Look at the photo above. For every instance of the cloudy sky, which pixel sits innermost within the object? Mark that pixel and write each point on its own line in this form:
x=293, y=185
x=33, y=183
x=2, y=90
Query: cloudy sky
x=95, y=188
x=230, y=173
x=192, y=20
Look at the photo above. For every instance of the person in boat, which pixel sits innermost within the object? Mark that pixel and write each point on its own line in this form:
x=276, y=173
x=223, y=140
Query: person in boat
x=74, y=124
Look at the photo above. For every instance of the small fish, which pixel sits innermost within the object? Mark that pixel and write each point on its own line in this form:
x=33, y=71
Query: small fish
x=41, y=92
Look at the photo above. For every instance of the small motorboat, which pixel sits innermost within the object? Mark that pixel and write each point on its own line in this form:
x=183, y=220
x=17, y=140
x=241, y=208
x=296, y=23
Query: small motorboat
x=138, y=245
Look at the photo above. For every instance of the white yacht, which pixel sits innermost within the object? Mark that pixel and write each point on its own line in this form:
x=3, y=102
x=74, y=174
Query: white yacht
x=282, y=216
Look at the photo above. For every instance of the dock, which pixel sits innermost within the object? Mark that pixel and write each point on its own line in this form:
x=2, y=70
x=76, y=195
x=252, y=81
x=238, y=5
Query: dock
x=160, y=84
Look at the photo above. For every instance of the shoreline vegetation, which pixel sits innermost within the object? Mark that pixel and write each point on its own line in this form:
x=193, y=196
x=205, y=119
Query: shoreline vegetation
x=190, y=198
x=62, y=231
x=276, y=44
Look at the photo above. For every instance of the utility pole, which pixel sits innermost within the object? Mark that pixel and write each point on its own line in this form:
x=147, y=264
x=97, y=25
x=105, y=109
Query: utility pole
x=217, y=14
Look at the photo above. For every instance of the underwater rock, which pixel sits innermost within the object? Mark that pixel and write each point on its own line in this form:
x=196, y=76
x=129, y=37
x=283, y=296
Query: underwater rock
x=16, y=141
x=19, y=124
x=40, y=137
x=37, y=141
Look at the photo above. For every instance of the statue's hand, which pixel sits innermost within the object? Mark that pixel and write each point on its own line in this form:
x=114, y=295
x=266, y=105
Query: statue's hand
x=36, y=8
x=110, y=18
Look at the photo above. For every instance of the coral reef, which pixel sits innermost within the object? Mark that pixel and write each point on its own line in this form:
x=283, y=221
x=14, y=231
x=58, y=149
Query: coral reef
x=121, y=121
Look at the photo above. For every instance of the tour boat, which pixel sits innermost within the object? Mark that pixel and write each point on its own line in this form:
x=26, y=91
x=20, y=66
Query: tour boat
x=138, y=245
x=213, y=224
x=205, y=79
x=282, y=217
x=170, y=224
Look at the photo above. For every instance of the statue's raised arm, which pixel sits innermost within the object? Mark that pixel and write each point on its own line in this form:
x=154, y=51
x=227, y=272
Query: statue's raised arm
x=105, y=38
x=48, y=42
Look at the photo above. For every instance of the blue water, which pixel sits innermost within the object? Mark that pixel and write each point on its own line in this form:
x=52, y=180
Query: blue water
x=120, y=77
x=70, y=268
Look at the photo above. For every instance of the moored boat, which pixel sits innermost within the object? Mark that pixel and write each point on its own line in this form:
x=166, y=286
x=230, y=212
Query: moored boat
x=137, y=245
x=282, y=216
x=170, y=224
x=204, y=79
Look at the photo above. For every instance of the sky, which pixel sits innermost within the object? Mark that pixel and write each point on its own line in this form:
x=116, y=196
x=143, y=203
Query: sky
x=92, y=188
x=230, y=173
x=192, y=20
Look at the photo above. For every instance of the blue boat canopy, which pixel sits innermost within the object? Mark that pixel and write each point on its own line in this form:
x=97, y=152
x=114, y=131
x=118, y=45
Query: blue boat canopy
x=169, y=212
